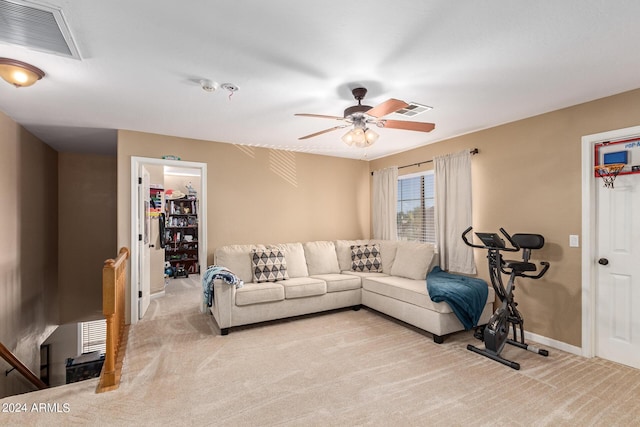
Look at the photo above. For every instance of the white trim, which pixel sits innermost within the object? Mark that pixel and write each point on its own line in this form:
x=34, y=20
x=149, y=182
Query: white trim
x=79, y=332
x=549, y=342
x=157, y=295
x=136, y=162
x=589, y=243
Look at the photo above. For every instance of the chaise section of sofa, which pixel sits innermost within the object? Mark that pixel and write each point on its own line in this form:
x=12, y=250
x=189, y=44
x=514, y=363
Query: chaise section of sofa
x=321, y=276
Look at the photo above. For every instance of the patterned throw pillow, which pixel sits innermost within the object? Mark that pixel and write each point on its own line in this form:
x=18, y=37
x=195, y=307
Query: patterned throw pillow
x=366, y=258
x=268, y=265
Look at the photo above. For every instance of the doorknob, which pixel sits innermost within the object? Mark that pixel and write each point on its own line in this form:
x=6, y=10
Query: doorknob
x=603, y=261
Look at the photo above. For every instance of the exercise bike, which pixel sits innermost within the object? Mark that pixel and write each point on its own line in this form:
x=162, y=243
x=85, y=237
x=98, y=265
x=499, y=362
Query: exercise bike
x=495, y=334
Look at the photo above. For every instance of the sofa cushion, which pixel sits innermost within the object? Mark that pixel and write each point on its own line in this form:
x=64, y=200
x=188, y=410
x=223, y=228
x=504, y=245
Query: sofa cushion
x=237, y=259
x=321, y=257
x=364, y=273
x=303, y=287
x=407, y=290
x=268, y=265
x=296, y=262
x=343, y=252
x=366, y=258
x=388, y=249
x=412, y=260
x=340, y=282
x=255, y=293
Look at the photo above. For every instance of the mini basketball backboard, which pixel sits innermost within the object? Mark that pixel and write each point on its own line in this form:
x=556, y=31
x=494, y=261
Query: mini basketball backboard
x=613, y=158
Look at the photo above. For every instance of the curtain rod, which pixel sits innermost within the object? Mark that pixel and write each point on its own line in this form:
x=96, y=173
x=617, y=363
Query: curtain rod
x=473, y=151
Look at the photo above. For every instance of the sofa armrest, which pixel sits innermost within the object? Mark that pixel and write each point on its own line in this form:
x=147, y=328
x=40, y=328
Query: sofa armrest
x=224, y=296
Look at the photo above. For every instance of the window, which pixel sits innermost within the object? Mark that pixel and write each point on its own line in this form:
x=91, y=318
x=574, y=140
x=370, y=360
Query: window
x=416, y=208
x=94, y=336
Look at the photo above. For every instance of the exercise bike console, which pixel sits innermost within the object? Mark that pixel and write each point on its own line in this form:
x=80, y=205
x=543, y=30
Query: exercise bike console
x=496, y=333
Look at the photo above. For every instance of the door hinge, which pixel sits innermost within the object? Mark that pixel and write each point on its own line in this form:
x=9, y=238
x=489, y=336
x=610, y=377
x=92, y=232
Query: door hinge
x=139, y=180
x=140, y=237
x=139, y=294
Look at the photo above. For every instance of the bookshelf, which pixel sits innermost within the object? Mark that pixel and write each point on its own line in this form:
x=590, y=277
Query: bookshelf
x=181, y=234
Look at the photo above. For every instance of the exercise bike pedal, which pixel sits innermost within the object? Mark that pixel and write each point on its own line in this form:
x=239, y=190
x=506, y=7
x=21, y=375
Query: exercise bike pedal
x=479, y=333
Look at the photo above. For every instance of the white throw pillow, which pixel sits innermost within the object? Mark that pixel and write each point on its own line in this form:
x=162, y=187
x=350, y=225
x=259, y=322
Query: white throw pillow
x=269, y=265
x=412, y=260
x=321, y=257
x=366, y=258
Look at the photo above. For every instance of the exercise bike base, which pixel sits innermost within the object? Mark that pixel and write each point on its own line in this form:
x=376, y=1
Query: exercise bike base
x=493, y=356
x=529, y=347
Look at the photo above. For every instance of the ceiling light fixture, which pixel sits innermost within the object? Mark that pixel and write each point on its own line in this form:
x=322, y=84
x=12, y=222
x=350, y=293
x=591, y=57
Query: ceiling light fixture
x=18, y=73
x=360, y=136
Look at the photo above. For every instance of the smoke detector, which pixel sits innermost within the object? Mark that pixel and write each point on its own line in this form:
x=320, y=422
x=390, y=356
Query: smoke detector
x=209, y=86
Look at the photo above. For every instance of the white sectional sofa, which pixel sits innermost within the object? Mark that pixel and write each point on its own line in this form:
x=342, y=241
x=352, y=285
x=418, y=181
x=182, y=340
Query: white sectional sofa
x=320, y=277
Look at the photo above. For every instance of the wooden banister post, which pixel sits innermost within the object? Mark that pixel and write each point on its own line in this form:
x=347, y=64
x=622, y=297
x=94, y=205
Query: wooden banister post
x=113, y=307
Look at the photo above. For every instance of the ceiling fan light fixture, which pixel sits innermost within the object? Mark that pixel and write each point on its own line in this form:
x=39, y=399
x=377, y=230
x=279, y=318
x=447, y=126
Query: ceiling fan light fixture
x=18, y=73
x=360, y=138
x=370, y=136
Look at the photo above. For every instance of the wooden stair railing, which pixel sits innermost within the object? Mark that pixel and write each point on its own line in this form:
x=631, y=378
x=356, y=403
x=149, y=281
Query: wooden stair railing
x=21, y=367
x=114, y=281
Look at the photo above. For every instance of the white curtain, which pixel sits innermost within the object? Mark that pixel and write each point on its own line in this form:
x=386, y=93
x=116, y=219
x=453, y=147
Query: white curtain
x=453, y=211
x=385, y=200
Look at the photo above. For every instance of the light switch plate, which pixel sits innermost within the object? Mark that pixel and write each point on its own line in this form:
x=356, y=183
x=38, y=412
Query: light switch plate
x=574, y=241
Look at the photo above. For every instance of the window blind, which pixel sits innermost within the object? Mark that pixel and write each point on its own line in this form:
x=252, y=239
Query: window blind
x=416, y=208
x=94, y=336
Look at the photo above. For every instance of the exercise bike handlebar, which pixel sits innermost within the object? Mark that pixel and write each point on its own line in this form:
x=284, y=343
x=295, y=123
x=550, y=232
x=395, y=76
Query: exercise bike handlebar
x=545, y=266
x=515, y=247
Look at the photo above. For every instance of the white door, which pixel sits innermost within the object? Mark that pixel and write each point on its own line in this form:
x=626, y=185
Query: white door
x=617, y=300
x=144, y=231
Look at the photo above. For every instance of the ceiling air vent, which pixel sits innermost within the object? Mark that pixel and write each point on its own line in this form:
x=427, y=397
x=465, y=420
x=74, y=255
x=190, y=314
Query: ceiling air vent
x=37, y=27
x=413, y=109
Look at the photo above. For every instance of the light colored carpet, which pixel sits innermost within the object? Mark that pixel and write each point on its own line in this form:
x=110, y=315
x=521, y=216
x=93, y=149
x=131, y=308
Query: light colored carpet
x=341, y=368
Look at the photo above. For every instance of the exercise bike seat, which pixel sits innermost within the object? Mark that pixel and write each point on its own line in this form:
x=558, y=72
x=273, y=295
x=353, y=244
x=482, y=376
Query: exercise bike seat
x=520, y=266
x=526, y=242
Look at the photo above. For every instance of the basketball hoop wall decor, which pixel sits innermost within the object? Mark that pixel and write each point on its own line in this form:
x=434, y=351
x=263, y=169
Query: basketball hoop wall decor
x=608, y=173
x=614, y=158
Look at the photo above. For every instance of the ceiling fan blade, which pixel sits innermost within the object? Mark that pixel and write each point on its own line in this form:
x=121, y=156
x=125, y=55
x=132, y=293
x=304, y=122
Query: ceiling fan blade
x=321, y=116
x=387, y=107
x=323, y=131
x=399, y=124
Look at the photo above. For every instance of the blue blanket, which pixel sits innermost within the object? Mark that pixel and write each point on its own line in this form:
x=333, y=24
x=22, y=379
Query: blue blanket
x=217, y=272
x=466, y=296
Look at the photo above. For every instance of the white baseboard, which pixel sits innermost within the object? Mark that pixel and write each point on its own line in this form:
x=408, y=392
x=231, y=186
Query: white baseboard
x=157, y=295
x=553, y=343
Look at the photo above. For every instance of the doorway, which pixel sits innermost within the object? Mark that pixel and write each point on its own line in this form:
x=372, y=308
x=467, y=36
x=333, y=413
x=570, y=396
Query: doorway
x=601, y=319
x=194, y=175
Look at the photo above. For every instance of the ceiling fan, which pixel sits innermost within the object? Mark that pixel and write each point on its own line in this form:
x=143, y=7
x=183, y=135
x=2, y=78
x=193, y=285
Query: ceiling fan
x=362, y=115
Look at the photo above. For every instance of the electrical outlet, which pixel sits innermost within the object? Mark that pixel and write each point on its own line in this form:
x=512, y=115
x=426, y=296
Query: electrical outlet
x=574, y=241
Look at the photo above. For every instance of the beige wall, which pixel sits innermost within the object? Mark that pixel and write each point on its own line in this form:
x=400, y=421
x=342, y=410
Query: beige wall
x=87, y=231
x=527, y=178
x=28, y=254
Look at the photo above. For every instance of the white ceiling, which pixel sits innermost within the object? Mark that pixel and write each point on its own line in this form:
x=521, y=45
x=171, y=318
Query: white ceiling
x=478, y=63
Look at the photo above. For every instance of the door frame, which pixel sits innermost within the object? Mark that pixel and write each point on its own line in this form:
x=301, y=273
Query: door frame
x=136, y=162
x=589, y=233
